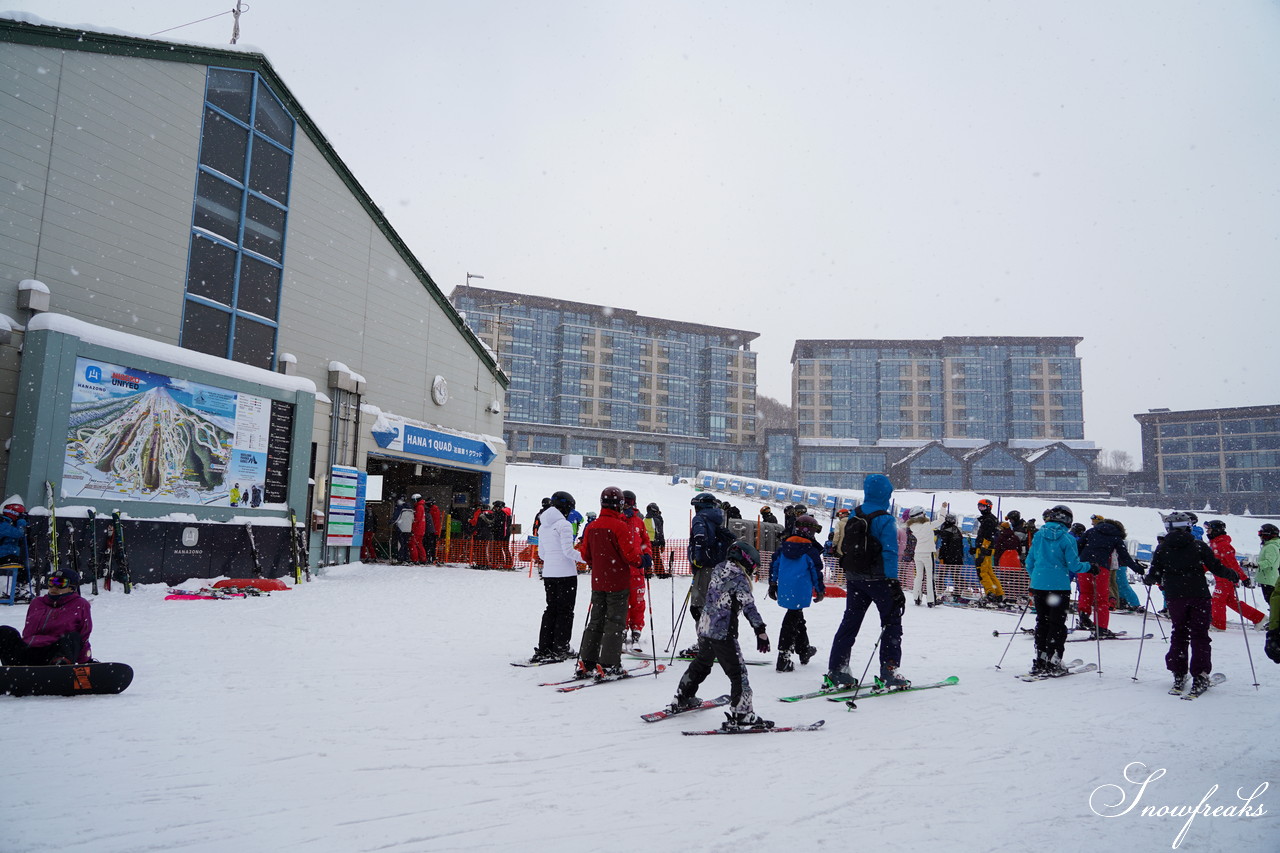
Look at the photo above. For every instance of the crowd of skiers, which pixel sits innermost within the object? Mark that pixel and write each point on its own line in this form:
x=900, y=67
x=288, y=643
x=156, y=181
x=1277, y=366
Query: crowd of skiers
x=869, y=543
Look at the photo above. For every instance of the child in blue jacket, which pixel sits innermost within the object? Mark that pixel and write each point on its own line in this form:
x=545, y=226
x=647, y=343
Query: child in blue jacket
x=795, y=581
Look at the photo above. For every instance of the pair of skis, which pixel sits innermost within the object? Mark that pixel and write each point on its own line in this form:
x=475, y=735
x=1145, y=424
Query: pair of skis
x=117, y=556
x=718, y=702
x=1075, y=667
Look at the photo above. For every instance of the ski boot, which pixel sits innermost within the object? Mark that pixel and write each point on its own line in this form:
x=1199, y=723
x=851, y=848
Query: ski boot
x=684, y=703
x=539, y=656
x=784, y=662
x=610, y=673
x=1085, y=622
x=1199, y=684
x=1105, y=634
x=564, y=653
x=838, y=679
x=1179, y=685
x=585, y=670
x=806, y=654
x=890, y=679
x=744, y=720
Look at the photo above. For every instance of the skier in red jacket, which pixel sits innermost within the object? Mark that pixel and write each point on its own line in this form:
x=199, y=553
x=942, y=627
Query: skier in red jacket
x=610, y=547
x=1224, y=591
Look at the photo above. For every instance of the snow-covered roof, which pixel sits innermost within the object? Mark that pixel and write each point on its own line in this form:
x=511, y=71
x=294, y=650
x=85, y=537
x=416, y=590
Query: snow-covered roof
x=125, y=342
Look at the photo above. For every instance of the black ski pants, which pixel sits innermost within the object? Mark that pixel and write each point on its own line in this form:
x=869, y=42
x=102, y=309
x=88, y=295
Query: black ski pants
x=557, y=618
x=602, y=640
x=729, y=654
x=1052, y=608
x=15, y=652
x=793, y=636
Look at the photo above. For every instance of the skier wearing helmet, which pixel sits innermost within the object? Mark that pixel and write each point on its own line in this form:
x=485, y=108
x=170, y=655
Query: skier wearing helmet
x=1052, y=560
x=728, y=594
x=1268, y=574
x=795, y=581
x=1178, y=565
x=1224, y=591
x=610, y=547
x=13, y=532
x=984, y=553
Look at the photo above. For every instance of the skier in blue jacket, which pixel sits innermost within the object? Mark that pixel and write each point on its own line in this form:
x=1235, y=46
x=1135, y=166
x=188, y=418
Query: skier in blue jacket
x=873, y=583
x=1052, y=560
x=795, y=582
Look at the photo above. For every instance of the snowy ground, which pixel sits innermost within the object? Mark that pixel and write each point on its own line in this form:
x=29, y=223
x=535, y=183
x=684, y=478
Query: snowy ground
x=374, y=709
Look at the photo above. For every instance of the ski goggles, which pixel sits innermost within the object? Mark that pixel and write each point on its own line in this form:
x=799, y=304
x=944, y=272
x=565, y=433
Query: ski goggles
x=58, y=582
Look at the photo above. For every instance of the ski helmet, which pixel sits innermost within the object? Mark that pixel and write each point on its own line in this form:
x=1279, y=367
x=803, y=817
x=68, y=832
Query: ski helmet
x=808, y=522
x=744, y=554
x=611, y=498
x=704, y=499
x=1177, y=519
x=417, y=497
x=1059, y=513
x=562, y=501
x=1195, y=519
x=949, y=518
x=546, y=502
x=653, y=508
x=1269, y=531
x=498, y=504
x=984, y=504
x=13, y=511
x=628, y=497
x=1214, y=528
x=1013, y=516
x=841, y=513
x=917, y=512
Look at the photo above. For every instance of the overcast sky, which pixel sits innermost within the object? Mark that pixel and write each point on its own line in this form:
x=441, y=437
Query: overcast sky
x=824, y=169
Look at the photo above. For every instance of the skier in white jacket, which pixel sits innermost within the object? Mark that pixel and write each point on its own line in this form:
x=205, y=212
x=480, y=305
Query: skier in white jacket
x=926, y=547
x=559, y=580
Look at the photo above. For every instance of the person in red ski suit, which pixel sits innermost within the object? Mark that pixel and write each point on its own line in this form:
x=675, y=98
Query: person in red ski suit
x=1224, y=591
x=418, y=554
x=635, y=607
x=431, y=539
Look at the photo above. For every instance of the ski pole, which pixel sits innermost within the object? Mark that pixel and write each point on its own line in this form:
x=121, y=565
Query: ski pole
x=1097, y=626
x=653, y=638
x=867, y=668
x=675, y=631
x=1142, y=635
x=1016, y=629
x=1244, y=632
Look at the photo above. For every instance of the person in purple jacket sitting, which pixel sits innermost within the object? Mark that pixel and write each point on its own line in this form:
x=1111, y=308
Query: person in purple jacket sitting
x=57, y=629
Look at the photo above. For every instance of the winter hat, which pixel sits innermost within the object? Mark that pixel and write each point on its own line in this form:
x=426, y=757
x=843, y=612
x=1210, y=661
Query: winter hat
x=72, y=576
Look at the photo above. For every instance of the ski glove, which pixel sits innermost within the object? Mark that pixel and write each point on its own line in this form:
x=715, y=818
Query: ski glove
x=646, y=562
x=819, y=593
x=1150, y=579
x=773, y=591
x=897, y=597
x=762, y=642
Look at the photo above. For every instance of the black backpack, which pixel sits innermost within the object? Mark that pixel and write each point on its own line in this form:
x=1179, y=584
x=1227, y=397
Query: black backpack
x=859, y=550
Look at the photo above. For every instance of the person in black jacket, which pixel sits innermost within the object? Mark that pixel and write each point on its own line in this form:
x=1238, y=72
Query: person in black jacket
x=984, y=552
x=1103, y=549
x=950, y=554
x=1178, y=565
x=653, y=520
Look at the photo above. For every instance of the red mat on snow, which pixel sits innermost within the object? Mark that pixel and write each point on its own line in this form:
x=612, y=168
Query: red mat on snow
x=265, y=584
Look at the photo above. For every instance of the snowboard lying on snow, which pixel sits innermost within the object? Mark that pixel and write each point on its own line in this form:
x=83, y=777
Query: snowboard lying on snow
x=65, y=680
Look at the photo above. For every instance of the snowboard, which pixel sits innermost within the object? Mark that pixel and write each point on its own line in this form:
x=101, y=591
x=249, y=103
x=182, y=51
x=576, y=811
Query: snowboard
x=65, y=680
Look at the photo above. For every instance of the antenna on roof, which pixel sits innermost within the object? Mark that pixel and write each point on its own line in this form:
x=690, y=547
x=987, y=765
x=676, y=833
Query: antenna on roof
x=240, y=8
